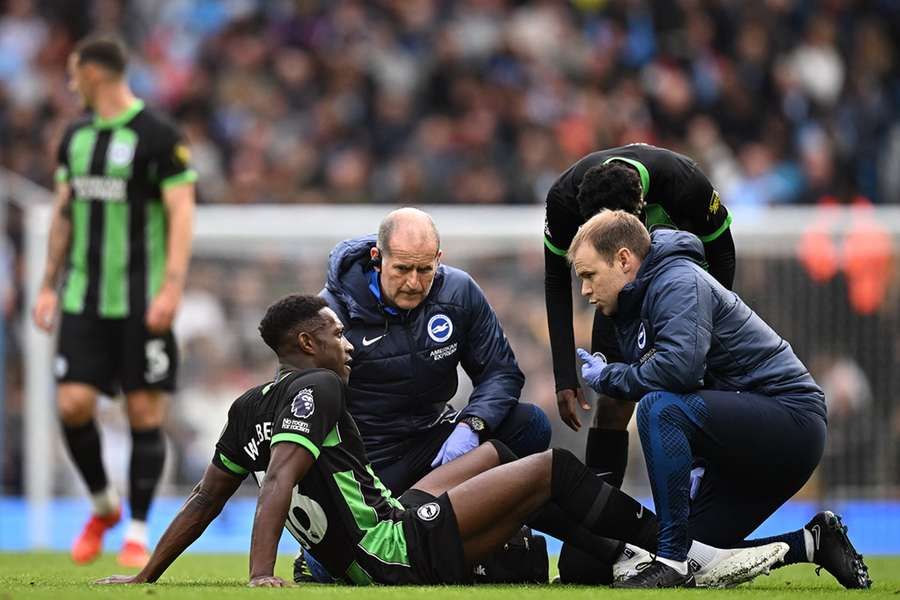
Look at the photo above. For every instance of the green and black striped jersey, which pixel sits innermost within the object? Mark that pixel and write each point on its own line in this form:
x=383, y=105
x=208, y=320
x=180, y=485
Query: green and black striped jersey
x=340, y=511
x=117, y=170
x=680, y=195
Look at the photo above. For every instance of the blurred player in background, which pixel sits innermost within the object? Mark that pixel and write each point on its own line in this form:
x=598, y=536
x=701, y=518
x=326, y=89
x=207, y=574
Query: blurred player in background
x=121, y=232
x=718, y=392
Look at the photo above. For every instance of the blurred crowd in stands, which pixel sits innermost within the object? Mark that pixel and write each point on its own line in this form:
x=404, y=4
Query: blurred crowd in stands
x=481, y=101
x=487, y=101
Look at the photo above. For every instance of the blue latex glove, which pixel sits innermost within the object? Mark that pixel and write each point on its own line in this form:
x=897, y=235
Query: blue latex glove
x=461, y=440
x=593, y=367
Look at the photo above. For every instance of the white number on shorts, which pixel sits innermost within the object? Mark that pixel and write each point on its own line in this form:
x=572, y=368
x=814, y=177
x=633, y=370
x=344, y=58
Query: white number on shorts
x=157, y=361
x=306, y=519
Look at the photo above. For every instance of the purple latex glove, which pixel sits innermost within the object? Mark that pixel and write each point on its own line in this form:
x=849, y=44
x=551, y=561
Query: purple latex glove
x=592, y=369
x=460, y=441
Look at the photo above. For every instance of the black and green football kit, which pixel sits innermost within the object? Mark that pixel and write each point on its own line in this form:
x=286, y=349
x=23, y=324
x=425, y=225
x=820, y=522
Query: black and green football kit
x=117, y=170
x=340, y=511
x=676, y=194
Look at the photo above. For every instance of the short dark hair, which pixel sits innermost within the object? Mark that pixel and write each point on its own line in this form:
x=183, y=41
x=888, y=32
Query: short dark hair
x=105, y=50
x=610, y=230
x=613, y=185
x=287, y=317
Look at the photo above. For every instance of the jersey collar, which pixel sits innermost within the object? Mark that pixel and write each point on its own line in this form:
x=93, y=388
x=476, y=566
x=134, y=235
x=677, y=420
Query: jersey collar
x=641, y=169
x=121, y=118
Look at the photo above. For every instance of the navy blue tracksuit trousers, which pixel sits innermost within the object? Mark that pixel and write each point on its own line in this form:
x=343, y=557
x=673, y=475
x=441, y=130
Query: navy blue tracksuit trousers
x=757, y=452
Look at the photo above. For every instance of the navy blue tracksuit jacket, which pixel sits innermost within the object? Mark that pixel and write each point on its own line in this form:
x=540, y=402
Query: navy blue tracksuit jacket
x=405, y=364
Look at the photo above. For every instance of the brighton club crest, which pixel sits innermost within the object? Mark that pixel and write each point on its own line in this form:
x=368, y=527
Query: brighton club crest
x=440, y=328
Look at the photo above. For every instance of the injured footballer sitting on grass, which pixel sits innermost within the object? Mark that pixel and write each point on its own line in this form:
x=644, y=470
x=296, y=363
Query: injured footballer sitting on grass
x=315, y=480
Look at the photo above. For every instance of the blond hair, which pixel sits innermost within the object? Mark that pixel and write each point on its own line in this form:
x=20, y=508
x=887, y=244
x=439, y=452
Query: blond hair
x=610, y=230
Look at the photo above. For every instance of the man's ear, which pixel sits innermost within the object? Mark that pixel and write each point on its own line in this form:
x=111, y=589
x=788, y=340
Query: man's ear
x=306, y=342
x=623, y=257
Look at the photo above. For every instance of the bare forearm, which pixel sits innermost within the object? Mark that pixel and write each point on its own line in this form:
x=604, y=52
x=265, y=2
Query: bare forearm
x=191, y=521
x=57, y=247
x=180, y=236
x=271, y=512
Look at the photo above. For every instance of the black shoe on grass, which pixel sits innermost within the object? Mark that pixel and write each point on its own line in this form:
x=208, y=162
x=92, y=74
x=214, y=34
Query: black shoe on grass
x=302, y=573
x=656, y=574
x=834, y=552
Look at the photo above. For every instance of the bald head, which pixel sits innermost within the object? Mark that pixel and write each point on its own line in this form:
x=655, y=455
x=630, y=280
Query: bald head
x=411, y=227
x=410, y=252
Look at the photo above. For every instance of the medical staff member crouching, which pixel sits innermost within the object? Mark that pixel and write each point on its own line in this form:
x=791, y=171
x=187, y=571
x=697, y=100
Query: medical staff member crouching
x=716, y=387
x=413, y=321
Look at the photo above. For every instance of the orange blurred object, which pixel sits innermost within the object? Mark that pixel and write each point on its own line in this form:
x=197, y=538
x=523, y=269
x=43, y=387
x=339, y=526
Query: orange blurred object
x=868, y=258
x=133, y=554
x=88, y=545
x=816, y=249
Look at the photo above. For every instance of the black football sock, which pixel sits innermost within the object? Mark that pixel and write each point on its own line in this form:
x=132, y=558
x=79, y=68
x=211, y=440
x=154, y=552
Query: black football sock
x=83, y=442
x=598, y=506
x=553, y=520
x=582, y=568
x=796, y=541
x=606, y=454
x=148, y=455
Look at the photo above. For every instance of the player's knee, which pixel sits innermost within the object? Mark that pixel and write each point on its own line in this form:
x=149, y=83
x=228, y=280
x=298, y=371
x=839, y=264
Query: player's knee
x=540, y=461
x=74, y=413
x=538, y=472
x=145, y=419
x=544, y=463
x=75, y=407
x=146, y=410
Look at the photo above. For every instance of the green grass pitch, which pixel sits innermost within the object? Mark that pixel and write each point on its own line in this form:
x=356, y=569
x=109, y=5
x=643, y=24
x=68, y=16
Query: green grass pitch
x=223, y=577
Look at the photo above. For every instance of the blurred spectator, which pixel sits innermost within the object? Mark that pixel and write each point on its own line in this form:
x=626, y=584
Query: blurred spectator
x=852, y=456
x=480, y=101
x=487, y=101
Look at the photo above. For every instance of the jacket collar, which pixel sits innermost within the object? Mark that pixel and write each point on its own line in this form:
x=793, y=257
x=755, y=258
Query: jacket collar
x=375, y=288
x=666, y=247
x=355, y=283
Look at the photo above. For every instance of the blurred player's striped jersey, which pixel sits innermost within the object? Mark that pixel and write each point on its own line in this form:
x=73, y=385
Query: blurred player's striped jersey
x=117, y=170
